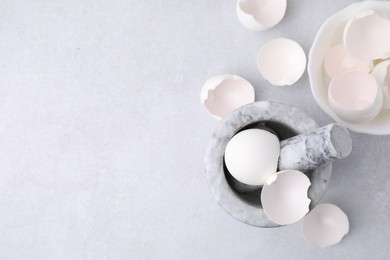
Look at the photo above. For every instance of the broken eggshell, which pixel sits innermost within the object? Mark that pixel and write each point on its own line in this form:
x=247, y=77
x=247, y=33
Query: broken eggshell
x=355, y=96
x=325, y=225
x=367, y=36
x=251, y=156
x=222, y=94
x=284, y=197
x=379, y=72
x=281, y=61
x=338, y=61
x=260, y=15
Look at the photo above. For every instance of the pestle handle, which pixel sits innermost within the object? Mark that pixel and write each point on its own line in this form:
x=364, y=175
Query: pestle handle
x=308, y=151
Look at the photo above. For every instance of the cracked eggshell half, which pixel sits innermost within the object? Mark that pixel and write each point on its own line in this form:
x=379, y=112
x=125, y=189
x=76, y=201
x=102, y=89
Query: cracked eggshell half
x=325, y=225
x=367, y=36
x=222, y=94
x=284, y=197
x=281, y=61
x=380, y=73
x=260, y=15
x=251, y=156
x=338, y=61
x=355, y=97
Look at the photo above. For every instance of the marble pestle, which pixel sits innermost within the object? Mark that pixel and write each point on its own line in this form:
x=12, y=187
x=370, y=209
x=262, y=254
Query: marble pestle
x=307, y=151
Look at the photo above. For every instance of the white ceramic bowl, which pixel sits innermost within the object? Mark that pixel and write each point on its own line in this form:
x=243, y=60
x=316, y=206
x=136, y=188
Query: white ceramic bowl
x=331, y=34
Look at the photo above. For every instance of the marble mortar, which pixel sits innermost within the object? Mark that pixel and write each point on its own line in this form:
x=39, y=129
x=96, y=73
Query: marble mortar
x=243, y=201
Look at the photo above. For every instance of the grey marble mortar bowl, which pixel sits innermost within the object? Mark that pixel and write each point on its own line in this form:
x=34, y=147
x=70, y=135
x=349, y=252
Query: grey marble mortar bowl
x=243, y=201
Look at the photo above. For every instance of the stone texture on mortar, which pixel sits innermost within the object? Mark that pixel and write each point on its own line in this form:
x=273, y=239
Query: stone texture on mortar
x=230, y=125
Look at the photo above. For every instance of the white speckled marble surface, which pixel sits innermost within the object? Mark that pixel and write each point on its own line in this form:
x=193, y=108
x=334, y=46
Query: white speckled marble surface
x=102, y=135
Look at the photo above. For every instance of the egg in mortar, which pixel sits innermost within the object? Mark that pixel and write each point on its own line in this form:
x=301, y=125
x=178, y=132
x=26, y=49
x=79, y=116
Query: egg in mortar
x=251, y=156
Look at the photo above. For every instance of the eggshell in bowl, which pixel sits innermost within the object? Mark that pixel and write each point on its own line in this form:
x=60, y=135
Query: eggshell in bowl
x=338, y=61
x=379, y=72
x=331, y=34
x=355, y=96
x=367, y=36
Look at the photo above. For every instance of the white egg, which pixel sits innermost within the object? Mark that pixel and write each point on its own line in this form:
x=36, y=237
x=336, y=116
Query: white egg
x=367, y=36
x=281, y=61
x=379, y=72
x=251, y=156
x=355, y=97
x=325, y=225
x=222, y=94
x=284, y=197
x=260, y=15
x=338, y=61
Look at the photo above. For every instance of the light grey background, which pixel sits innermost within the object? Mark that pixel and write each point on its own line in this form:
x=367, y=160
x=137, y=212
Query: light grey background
x=102, y=134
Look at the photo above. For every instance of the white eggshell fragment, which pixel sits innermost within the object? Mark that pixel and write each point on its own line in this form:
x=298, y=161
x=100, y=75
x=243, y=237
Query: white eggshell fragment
x=380, y=72
x=224, y=93
x=260, y=15
x=281, y=61
x=251, y=156
x=355, y=96
x=284, y=197
x=325, y=225
x=338, y=61
x=367, y=36
x=386, y=89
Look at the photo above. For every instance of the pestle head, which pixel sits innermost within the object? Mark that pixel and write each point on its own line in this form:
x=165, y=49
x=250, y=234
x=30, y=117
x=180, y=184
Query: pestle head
x=341, y=140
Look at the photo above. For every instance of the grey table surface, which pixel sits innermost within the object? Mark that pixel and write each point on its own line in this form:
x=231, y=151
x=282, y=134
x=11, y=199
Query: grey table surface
x=102, y=134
